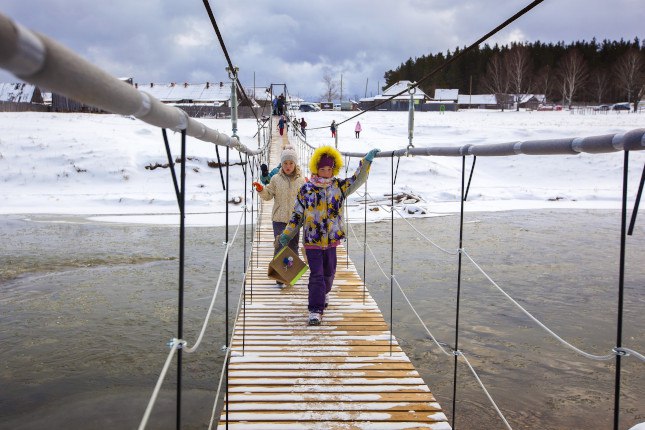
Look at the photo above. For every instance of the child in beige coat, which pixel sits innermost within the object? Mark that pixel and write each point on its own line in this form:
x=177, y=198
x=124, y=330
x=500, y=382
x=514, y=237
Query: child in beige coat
x=284, y=188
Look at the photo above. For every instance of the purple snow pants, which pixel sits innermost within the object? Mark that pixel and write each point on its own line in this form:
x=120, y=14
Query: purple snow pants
x=322, y=269
x=278, y=228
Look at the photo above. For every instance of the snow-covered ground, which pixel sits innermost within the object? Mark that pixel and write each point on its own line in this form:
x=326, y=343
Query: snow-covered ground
x=96, y=164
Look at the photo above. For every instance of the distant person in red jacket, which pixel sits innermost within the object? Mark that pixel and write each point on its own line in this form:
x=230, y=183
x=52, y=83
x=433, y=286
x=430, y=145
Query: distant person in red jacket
x=281, y=124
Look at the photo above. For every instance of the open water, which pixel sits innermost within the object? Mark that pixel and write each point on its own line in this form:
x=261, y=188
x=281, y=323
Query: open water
x=86, y=310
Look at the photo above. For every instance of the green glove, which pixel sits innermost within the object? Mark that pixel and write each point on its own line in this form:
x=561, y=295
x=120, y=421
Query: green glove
x=284, y=239
x=370, y=155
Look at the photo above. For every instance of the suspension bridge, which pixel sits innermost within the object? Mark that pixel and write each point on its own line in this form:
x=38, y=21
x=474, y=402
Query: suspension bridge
x=350, y=372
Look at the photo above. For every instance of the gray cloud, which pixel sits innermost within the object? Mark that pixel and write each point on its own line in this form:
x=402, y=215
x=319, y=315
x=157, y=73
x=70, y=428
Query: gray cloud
x=297, y=42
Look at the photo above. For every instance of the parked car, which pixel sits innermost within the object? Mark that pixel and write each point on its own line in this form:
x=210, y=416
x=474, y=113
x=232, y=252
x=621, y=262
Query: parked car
x=621, y=106
x=602, y=108
x=309, y=107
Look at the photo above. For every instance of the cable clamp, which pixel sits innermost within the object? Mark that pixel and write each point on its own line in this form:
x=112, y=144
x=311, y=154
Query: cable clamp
x=224, y=348
x=174, y=341
x=456, y=352
x=232, y=73
x=407, y=150
x=620, y=352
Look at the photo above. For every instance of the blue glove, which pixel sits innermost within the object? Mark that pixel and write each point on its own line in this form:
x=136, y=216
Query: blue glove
x=265, y=180
x=370, y=155
x=284, y=239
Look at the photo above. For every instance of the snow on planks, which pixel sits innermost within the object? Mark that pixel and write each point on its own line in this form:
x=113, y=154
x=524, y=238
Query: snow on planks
x=348, y=373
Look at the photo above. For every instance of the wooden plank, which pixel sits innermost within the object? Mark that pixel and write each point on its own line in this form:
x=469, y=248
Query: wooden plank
x=348, y=373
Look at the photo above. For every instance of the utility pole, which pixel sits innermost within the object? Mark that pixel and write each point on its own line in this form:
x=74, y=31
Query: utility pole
x=341, y=87
x=366, y=82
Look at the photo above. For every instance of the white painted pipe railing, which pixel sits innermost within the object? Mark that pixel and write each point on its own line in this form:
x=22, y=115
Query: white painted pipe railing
x=37, y=59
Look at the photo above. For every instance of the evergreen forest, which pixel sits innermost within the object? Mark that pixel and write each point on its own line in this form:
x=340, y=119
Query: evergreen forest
x=584, y=72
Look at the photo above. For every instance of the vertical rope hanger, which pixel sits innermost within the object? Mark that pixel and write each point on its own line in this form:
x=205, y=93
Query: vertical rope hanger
x=346, y=237
x=180, y=192
x=632, y=222
x=392, y=254
x=621, y=290
x=461, y=235
x=365, y=246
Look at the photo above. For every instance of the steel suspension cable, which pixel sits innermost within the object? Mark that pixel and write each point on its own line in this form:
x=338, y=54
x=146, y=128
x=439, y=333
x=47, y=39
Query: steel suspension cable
x=481, y=384
x=211, y=16
x=209, y=312
x=449, y=61
x=439, y=344
x=227, y=355
x=534, y=319
x=175, y=345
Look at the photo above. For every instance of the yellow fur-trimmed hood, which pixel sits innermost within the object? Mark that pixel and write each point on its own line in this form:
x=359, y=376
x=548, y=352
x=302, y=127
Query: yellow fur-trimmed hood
x=332, y=152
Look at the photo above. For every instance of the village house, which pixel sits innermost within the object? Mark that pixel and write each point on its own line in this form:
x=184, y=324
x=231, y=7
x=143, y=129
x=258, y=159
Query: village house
x=398, y=103
x=20, y=97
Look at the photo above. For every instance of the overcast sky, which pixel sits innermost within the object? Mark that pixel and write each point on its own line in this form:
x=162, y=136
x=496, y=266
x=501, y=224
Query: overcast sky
x=297, y=42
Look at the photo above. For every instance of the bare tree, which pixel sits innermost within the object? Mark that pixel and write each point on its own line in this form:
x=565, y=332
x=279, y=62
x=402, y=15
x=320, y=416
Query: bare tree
x=331, y=88
x=572, y=74
x=599, y=81
x=544, y=81
x=518, y=65
x=496, y=79
x=630, y=74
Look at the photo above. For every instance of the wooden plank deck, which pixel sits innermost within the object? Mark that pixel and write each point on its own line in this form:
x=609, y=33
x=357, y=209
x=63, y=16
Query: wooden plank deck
x=343, y=374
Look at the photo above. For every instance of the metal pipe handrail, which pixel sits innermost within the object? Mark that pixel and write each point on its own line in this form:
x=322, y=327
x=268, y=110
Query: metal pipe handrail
x=42, y=61
x=39, y=60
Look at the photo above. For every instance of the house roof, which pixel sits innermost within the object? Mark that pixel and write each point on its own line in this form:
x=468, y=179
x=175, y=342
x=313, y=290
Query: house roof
x=19, y=93
x=397, y=88
x=477, y=99
x=207, y=92
x=445, y=94
x=540, y=98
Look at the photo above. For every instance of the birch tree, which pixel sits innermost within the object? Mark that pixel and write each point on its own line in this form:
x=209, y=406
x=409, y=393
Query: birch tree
x=518, y=63
x=573, y=74
x=496, y=79
x=630, y=76
x=331, y=88
x=599, y=83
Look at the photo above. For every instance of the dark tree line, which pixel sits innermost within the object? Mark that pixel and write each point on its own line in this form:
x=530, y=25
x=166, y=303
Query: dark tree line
x=578, y=72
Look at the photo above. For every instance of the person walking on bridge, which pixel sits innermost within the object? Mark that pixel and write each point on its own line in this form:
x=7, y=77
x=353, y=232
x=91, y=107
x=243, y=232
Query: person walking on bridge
x=319, y=207
x=281, y=124
x=283, y=188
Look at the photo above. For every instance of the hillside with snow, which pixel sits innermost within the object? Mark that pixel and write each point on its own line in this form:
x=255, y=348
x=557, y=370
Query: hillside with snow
x=103, y=164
